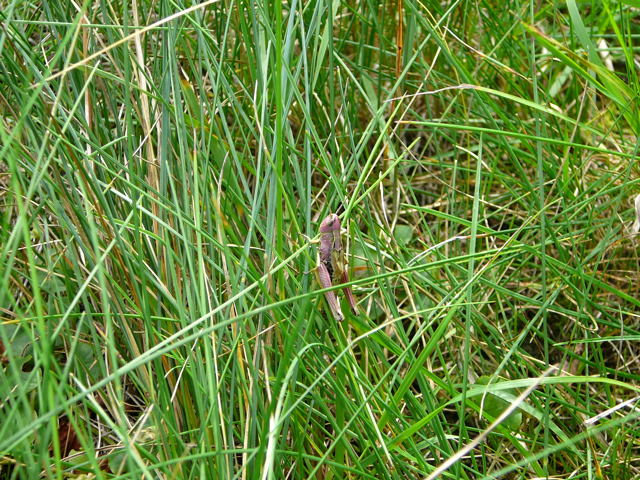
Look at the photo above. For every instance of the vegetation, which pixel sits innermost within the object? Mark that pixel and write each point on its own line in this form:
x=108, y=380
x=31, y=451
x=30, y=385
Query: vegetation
x=166, y=165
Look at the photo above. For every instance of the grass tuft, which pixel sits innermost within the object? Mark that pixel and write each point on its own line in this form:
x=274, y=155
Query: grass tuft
x=164, y=168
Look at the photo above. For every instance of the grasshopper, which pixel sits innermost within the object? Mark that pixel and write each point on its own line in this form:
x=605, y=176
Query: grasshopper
x=331, y=265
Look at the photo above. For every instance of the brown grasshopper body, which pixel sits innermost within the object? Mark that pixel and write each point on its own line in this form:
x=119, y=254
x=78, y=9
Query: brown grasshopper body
x=331, y=265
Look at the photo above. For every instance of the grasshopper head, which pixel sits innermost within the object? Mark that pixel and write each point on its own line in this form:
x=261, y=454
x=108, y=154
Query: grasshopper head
x=330, y=224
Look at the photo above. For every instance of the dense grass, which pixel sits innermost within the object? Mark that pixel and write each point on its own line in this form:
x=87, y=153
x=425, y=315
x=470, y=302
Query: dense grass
x=165, y=167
